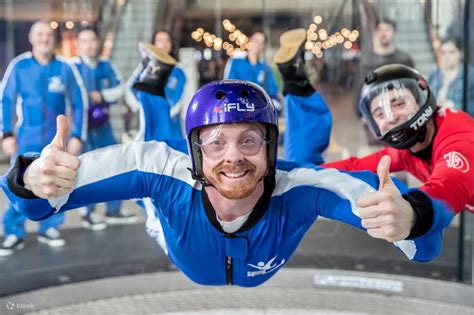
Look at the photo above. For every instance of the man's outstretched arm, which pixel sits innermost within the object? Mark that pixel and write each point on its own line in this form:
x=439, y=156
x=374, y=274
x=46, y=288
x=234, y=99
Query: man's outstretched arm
x=41, y=185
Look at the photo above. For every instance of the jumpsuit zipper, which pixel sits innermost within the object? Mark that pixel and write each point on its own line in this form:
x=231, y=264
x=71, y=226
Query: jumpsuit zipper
x=229, y=266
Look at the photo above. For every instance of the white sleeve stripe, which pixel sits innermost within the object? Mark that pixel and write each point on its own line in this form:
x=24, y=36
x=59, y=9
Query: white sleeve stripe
x=76, y=60
x=19, y=114
x=342, y=184
x=112, y=95
x=140, y=136
x=85, y=102
x=150, y=157
x=116, y=71
x=135, y=105
x=130, y=98
x=9, y=71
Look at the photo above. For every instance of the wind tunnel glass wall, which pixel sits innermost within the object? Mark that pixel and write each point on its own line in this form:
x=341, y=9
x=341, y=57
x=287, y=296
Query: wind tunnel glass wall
x=342, y=46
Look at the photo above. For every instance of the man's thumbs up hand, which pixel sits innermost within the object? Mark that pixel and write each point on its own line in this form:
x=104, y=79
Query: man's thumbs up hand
x=385, y=213
x=383, y=172
x=54, y=173
x=62, y=130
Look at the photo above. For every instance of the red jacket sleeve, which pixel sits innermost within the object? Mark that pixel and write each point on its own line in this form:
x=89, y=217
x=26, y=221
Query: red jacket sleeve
x=369, y=162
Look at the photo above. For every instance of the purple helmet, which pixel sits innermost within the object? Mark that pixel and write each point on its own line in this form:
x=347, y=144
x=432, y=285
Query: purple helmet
x=230, y=101
x=98, y=114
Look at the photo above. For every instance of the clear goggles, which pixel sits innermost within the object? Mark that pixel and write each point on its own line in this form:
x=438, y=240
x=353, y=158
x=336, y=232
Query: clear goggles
x=214, y=144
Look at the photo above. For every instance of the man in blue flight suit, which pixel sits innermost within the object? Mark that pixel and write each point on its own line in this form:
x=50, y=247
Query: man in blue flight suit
x=308, y=120
x=230, y=213
x=104, y=87
x=35, y=89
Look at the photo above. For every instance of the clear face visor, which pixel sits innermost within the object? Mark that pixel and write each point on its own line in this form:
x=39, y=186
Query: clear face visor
x=391, y=104
x=214, y=142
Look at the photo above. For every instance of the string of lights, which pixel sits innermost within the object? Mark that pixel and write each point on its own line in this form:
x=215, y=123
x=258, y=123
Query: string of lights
x=317, y=38
x=238, y=41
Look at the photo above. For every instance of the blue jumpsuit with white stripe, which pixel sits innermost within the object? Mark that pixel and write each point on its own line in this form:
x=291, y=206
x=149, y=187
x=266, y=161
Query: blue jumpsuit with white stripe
x=293, y=199
x=33, y=95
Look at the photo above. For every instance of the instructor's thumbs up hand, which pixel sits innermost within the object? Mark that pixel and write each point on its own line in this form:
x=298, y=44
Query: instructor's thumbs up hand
x=54, y=173
x=385, y=213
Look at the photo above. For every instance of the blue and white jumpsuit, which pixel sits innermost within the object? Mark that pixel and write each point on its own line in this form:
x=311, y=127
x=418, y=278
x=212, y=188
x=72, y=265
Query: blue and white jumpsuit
x=291, y=202
x=32, y=95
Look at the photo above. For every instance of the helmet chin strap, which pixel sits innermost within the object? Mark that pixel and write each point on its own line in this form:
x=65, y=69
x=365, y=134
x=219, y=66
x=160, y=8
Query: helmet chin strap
x=205, y=183
x=201, y=179
x=423, y=136
x=425, y=133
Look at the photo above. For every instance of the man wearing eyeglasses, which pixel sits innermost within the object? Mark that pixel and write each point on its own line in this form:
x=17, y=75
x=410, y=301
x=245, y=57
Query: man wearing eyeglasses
x=230, y=213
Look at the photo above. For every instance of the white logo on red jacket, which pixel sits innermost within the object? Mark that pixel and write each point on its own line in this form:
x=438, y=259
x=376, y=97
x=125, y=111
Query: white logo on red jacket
x=457, y=161
x=443, y=110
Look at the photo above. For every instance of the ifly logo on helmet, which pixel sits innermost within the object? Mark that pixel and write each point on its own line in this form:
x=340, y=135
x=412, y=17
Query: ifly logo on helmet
x=422, y=119
x=240, y=107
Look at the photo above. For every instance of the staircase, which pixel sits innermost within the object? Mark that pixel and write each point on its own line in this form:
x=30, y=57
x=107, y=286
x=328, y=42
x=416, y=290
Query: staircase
x=136, y=23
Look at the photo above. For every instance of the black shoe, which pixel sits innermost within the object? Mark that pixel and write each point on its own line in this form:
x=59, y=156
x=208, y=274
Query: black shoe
x=11, y=244
x=93, y=222
x=120, y=218
x=291, y=63
x=51, y=237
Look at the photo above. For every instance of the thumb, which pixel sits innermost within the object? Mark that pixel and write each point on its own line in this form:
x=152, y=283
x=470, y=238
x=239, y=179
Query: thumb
x=62, y=130
x=383, y=171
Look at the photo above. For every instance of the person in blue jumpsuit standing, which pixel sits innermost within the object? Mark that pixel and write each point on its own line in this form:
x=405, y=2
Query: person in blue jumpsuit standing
x=251, y=67
x=159, y=118
x=308, y=118
x=35, y=89
x=104, y=87
x=231, y=214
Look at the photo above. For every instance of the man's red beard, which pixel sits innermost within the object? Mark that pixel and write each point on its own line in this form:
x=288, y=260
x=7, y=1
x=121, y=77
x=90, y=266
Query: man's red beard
x=245, y=187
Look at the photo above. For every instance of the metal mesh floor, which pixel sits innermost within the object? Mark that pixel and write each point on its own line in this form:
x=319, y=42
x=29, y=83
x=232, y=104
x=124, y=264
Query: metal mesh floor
x=230, y=300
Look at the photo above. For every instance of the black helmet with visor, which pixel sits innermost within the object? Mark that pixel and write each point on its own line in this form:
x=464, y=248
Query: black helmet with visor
x=397, y=104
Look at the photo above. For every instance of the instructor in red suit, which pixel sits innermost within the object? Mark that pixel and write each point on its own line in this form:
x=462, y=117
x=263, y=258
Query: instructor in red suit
x=434, y=144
